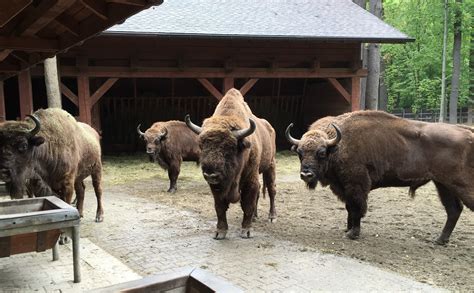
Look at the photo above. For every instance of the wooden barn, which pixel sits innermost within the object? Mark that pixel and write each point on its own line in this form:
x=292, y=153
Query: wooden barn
x=294, y=61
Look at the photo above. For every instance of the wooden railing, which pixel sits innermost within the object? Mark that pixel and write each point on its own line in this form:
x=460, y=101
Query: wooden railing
x=465, y=115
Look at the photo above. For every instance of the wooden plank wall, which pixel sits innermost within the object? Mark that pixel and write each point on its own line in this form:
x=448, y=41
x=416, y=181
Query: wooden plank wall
x=121, y=115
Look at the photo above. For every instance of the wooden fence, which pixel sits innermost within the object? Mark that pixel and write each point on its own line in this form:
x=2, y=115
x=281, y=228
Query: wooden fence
x=464, y=116
x=121, y=115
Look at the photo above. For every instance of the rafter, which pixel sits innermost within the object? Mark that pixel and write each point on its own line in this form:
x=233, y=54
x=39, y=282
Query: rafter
x=129, y=2
x=99, y=8
x=68, y=24
x=10, y=11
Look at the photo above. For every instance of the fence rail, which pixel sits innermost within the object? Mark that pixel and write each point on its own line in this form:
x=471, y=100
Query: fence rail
x=464, y=115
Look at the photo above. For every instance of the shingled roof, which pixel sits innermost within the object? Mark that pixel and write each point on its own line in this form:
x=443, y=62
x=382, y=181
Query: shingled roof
x=338, y=20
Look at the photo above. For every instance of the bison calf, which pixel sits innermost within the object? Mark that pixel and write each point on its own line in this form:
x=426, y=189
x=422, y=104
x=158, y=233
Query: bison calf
x=356, y=152
x=170, y=143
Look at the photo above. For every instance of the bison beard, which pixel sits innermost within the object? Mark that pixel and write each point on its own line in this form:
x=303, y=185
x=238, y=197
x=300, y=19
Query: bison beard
x=374, y=149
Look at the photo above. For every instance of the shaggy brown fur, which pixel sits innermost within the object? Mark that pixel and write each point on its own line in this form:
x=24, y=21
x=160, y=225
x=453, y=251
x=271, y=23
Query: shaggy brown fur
x=231, y=166
x=380, y=150
x=169, y=144
x=61, y=155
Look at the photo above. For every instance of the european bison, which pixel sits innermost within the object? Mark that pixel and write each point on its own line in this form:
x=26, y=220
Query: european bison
x=170, y=143
x=360, y=151
x=235, y=147
x=54, y=153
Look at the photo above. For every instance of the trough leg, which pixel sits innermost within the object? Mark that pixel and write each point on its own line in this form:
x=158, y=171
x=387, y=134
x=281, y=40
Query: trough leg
x=76, y=254
x=56, y=251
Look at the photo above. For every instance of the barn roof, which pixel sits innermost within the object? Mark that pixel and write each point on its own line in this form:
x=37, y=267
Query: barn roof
x=338, y=20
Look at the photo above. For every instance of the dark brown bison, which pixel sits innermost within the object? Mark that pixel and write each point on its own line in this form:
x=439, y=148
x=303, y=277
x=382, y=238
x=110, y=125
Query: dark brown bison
x=235, y=147
x=170, y=143
x=51, y=153
x=360, y=151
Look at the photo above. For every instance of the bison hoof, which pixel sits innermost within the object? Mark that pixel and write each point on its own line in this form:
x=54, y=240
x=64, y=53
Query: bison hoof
x=353, y=234
x=63, y=239
x=246, y=233
x=442, y=241
x=99, y=219
x=172, y=190
x=272, y=218
x=220, y=235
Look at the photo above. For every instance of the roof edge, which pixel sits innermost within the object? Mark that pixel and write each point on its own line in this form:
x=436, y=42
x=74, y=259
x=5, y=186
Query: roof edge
x=261, y=37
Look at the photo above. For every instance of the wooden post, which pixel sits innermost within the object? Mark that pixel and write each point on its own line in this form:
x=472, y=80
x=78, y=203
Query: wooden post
x=26, y=94
x=3, y=114
x=51, y=78
x=56, y=251
x=355, y=93
x=84, y=99
x=227, y=84
x=470, y=114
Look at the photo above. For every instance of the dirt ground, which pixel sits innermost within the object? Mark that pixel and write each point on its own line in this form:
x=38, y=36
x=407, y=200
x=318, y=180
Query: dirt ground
x=397, y=233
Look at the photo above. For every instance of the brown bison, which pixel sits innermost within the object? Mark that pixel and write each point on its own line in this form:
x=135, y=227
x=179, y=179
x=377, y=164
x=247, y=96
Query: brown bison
x=170, y=143
x=51, y=153
x=235, y=147
x=360, y=151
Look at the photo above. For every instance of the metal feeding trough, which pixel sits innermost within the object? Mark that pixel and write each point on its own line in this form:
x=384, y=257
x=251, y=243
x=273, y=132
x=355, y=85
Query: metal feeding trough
x=185, y=281
x=34, y=224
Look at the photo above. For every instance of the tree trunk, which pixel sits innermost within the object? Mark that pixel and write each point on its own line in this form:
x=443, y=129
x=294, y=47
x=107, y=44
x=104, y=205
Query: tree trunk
x=383, y=92
x=373, y=64
x=363, y=50
x=51, y=78
x=455, y=79
x=442, y=111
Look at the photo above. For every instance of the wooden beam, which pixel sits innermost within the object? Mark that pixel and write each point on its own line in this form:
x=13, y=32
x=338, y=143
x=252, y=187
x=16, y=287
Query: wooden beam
x=205, y=72
x=248, y=86
x=3, y=115
x=68, y=24
x=84, y=99
x=210, y=87
x=26, y=94
x=335, y=83
x=99, y=8
x=139, y=3
x=69, y=94
x=227, y=84
x=355, y=93
x=102, y=90
x=29, y=44
x=4, y=54
x=12, y=9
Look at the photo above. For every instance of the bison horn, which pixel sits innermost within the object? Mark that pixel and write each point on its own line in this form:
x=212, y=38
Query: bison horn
x=37, y=128
x=242, y=133
x=289, y=137
x=139, y=131
x=191, y=125
x=337, y=139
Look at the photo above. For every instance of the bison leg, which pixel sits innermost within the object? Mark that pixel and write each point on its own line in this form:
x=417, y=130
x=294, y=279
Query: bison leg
x=269, y=183
x=173, y=172
x=356, y=207
x=80, y=187
x=222, y=226
x=248, y=203
x=453, y=207
x=97, y=183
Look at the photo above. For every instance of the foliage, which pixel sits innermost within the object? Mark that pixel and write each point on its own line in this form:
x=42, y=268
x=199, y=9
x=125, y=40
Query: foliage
x=413, y=70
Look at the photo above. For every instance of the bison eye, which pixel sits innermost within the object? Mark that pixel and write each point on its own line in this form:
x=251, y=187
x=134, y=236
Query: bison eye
x=321, y=153
x=22, y=147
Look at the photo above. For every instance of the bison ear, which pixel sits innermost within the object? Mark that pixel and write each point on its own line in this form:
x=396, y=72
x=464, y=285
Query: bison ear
x=36, y=140
x=243, y=144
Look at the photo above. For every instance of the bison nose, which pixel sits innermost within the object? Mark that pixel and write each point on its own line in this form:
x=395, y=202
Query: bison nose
x=210, y=177
x=149, y=151
x=306, y=175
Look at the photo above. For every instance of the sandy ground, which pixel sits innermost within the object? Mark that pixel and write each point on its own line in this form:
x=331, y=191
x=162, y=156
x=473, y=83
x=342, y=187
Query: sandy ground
x=397, y=233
